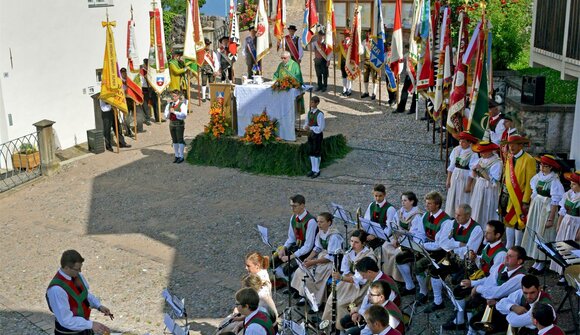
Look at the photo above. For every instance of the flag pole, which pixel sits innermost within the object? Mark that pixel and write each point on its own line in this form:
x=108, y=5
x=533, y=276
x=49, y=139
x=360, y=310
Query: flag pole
x=310, y=65
x=441, y=138
x=380, y=75
x=135, y=118
x=187, y=75
x=334, y=58
x=198, y=87
x=159, y=107
x=116, y=127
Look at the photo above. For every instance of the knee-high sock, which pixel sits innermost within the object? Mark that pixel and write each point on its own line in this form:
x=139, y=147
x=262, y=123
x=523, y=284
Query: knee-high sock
x=519, y=235
x=176, y=149
x=469, y=314
x=203, y=90
x=422, y=280
x=460, y=318
x=405, y=270
x=312, y=163
x=318, y=159
x=509, y=237
x=181, y=149
x=344, y=85
x=437, y=285
x=349, y=84
x=375, y=88
x=367, y=87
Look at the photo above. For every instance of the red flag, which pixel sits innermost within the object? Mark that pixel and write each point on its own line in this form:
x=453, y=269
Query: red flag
x=280, y=20
x=355, y=49
x=426, y=79
x=455, y=117
x=397, y=41
x=134, y=91
x=310, y=22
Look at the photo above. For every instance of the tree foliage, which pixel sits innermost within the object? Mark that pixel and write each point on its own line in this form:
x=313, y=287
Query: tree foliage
x=178, y=6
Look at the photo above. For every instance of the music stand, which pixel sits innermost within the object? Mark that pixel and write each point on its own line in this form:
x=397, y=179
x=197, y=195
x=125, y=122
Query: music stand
x=543, y=247
x=263, y=231
x=344, y=215
x=177, y=312
x=453, y=300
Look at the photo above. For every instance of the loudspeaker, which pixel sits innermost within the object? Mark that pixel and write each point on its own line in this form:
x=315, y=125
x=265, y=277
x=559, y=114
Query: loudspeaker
x=533, y=90
x=96, y=141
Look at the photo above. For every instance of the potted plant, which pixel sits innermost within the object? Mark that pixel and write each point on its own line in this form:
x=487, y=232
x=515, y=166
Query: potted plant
x=27, y=157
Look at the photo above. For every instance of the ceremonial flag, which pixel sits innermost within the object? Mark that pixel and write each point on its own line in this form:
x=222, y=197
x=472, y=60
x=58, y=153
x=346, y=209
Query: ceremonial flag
x=133, y=60
x=134, y=91
x=444, y=63
x=397, y=41
x=111, y=82
x=262, y=32
x=280, y=20
x=193, y=44
x=355, y=48
x=413, y=56
x=425, y=20
x=377, y=57
x=157, y=71
x=330, y=27
x=234, y=32
x=473, y=45
x=455, y=114
x=479, y=117
x=425, y=79
x=310, y=22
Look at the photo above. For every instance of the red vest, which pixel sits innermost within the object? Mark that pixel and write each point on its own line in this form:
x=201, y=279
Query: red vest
x=393, y=285
x=172, y=116
x=554, y=331
x=487, y=256
x=77, y=294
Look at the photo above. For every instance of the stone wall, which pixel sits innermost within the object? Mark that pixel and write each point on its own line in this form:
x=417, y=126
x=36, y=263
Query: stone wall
x=213, y=27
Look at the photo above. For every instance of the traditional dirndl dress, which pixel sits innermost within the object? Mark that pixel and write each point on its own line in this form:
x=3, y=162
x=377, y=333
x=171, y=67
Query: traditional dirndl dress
x=461, y=161
x=570, y=209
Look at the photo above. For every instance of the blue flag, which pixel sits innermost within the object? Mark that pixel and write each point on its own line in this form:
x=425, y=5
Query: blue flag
x=377, y=57
x=391, y=81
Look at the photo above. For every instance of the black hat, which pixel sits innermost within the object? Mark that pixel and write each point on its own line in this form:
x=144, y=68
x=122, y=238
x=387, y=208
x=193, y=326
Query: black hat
x=224, y=38
x=321, y=32
x=292, y=27
x=123, y=69
x=492, y=103
x=207, y=41
x=251, y=27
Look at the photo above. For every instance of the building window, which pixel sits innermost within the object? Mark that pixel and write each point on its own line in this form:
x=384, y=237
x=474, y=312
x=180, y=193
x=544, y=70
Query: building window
x=99, y=75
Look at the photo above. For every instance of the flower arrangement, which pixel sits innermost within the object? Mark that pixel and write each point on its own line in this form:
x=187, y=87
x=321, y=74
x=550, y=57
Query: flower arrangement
x=285, y=83
x=218, y=124
x=247, y=13
x=262, y=130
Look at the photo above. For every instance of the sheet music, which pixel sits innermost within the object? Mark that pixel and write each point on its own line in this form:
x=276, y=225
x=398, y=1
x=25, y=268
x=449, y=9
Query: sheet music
x=373, y=228
x=339, y=212
x=304, y=268
x=264, y=235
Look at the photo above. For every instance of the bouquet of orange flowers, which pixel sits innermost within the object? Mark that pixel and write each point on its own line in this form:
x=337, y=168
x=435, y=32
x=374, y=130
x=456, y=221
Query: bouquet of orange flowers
x=262, y=130
x=218, y=124
x=285, y=83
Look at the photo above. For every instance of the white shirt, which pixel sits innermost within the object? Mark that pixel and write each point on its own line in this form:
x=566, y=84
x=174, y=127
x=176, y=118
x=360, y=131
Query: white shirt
x=556, y=187
x=416, y=228
x=365, y=303
x=319, y=120
x=442, y=238
x=458, y=151
x=495, y=136
x=473, y=243
x=58, y=301
x=497, y=260
x=105, y=107
x=515, y=320
x=254, y=328
x=488, y=288
x=181, y=114
x=391, y=215
x=350, y=259
x=571, y=196
x=494, y=171
x=334, y=243
x=308, y=238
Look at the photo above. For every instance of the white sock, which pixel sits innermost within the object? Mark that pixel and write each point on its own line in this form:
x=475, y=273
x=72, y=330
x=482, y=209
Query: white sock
x=367, y=87
x=519, y=236
x=509, y=237
x=181, y=149
x=312, y=163
x=540, y=266
x=460, y=319
x=349, y=84
x=203, y=90
x=422, y=280
x=405, y=271
x=469, y=314
x=375, y=88
x=437, y=286
x=318, y=159
x=344, y=85
x=176, y=149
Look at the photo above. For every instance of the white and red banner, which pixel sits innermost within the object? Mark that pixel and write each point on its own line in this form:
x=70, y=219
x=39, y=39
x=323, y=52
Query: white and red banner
x=157, y=71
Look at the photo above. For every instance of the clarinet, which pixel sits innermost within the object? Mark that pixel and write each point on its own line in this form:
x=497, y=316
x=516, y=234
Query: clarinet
x=333, y=328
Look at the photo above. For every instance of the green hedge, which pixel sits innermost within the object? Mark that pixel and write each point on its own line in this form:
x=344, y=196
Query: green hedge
x=273, y=159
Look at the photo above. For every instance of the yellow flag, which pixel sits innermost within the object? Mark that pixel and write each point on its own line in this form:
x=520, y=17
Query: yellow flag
x=112, y=85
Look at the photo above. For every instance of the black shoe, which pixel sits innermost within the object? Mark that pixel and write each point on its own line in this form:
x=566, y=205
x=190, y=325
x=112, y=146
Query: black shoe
x=315, y=175
x=203, y=100
x=309, y=174
x=452, y=326
x=405, y=292
x=180, y=160
x=125, y=145
x=365, y=95
x=318, y=89
x=422, y=299
x=147, y=123
x=109, y=148
x=344, y=94
x=434, y=307
x=373, y=97
x=311, y=312
x=349, y=93
x=396, y=111
x=424, y=118
x=301, y=302
x=410, y=112
x=176, y=159
x=323, y=89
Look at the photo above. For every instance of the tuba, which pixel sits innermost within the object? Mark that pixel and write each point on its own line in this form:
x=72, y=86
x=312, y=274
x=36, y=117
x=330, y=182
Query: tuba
x=486, y=324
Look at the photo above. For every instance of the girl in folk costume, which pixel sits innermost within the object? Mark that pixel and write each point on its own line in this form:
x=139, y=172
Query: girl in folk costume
x=487, y=175
x=569, y=223
x=459, y=179
x=258, y=265
x=381, y=212
x=328, y=241
x=210, y=68
x=547, y=191
x=408, y=219
x=176, y=112
x=350, y=288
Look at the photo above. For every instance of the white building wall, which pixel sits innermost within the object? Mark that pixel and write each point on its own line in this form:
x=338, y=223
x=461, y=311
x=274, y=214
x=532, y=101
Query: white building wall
x=56, y=47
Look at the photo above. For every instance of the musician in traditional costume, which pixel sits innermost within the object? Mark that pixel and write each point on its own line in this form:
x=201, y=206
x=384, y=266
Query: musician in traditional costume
x=378, y=295
x=369, y=74
x=543, y=319
x=497, y=285
x=177, y=71
x=382, y=212
x=321, y=62
x=408, y=220
x=327, y=242
x=258, y=265
x=293, y=44
x=488, y=261
x=253, y=66
x=256, y=322
x=350, y=288
x=569, y=222
x=515, y=310
x=496, y=126
x=176, y=112
x=520, y=168
x=210, y=68
x=301, y=236
x=459, y=178
x=342, y=51
x=70, y=301
x=466, y=235
x=226, y=62
x=378, y=321
x=314, y=123
x=547, y=191
x=487, y=175
x=370, y=272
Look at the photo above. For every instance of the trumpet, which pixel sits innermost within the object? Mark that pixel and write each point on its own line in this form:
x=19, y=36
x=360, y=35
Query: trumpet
x=486, y=323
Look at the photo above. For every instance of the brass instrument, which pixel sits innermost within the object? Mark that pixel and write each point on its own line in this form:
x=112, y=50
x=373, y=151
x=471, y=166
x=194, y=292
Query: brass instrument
x=486, y=323
x=226, y=322
x=511, y=330
x=358, y=215
x=332, y=323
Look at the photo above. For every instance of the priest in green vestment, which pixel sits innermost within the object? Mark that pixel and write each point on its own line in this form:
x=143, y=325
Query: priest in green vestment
x=288, y=67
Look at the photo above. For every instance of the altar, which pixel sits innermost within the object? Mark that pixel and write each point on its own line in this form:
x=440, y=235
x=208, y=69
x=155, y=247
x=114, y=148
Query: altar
x=252, y=99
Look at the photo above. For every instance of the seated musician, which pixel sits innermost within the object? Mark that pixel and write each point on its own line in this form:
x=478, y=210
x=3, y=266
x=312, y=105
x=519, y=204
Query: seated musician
x=491, y=257
x=543, y=319
x=381, y=212
x=378, y=295
x=369, y=271
x=438, y=227
x=256, y=322
x=349, y=289
x=320, y=261
x=301, y=233
x=378, y=321
x=408, y=220
x=516, y=308
x=499, y=284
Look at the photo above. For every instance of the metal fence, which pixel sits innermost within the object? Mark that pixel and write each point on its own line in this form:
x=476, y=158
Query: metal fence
x=19, y=161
